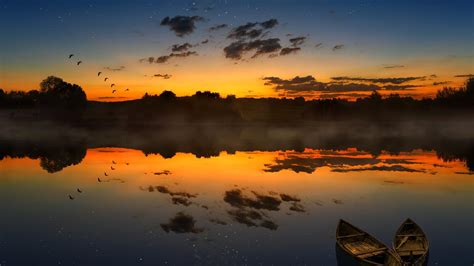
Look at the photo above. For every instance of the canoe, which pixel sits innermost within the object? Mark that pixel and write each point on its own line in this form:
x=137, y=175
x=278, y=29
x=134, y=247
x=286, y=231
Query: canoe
x=411, y=244
x=363, y=248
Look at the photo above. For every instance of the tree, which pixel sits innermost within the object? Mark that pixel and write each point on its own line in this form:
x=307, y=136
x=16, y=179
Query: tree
x=57, y=92
x=168, y=95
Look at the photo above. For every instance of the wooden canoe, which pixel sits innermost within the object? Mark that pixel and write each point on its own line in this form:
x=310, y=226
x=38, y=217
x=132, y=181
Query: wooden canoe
x=362, y=247
x=411, y=244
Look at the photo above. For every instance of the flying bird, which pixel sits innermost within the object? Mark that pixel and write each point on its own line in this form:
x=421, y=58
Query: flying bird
x=98, y=74
x=111, y=85
x=71, y=197
x=71, y=55
x=98, y=179
x=106, y=174
x=106, y=79
x=112, y=168
x=127, y=163
x=126, y=89
x=79, y=62
x=113, y=91
x=114, y=162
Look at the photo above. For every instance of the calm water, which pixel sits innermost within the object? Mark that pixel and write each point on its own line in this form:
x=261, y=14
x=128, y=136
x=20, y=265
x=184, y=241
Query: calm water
x=249, y=207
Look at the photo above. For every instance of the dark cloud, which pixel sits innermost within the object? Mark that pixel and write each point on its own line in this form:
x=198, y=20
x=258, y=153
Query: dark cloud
x=310, y=84
x=393, y=66
x=297, y=41
x=237, y=199
x=251, y=30
x=181, y=25
x=165, y=190
x=181, y=223
x=237, y=49
x=318, y=45
x=181, y=201
x=289, y=50
x=164, y=172
x=338, y=47
x=115, y=69
x=218, y=27
x=181, y=47
x=398, y=80
x=110, y=97
x=400, y=87
x=286, y=197
x=464, y=76
x=441, y=83
x=389, y=168
x=205, y=41
x=165, y=58
x=308, y=162
x=163, y=76
x=296, y=207
x=251, y=218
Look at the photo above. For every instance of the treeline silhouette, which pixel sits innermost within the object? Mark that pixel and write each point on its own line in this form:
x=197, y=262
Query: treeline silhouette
x=209, y=107
x=59, y=149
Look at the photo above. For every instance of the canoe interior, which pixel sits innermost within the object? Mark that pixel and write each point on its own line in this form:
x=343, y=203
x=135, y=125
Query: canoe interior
x=363, y=246
x=411, y=243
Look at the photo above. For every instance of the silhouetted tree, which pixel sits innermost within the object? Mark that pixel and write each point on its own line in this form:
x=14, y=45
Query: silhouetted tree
x=168, y=95
x=56, y=92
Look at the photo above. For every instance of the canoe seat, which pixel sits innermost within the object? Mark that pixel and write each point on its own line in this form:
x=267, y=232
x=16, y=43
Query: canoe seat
x=370, y=251
x=349, y=236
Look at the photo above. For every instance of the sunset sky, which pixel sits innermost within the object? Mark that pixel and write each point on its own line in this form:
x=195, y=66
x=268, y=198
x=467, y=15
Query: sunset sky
x=255, y=48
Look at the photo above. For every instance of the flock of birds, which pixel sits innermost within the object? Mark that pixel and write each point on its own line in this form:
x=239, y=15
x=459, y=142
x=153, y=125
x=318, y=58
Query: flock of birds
x=98, y=75
x=71, y=197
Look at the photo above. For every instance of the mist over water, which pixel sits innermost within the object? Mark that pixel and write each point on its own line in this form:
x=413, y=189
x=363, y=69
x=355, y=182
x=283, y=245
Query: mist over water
x=229, y=195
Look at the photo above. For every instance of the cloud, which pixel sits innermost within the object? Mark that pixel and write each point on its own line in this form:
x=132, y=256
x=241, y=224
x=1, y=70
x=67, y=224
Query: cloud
x=297, y=41
x=251, y=30
x=181, y=223
x=400, y=87
x=111, y=97
x=237, y=49
x=338, y=47
x=120, y=68
x=310, y=84
x=181, y=25
x=441, y=83
x=289, y=50
x=218, y=27
x=318, y=45
x=237, y=199
x=398, y=80
x=393, y=66
x=164, y=58
x=181, y=47
x=164, y=76
x=205, y=41
x=390, y=168
x=464, y=76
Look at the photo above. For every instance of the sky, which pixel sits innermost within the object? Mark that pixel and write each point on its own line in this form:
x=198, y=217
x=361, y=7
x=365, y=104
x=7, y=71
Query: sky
x=248, y=48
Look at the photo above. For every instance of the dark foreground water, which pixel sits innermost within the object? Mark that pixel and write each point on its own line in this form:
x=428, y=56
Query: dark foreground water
x=255, y=206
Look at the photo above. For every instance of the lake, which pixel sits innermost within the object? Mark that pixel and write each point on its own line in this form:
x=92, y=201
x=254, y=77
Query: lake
x=200, y=201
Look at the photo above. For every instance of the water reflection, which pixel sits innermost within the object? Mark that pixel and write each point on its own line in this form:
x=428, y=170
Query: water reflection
x=255, y=204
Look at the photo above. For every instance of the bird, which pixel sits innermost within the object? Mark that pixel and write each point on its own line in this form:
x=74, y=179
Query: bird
x=98, y=74
x=126, y=89
x=98, y=179
x=111, y=85
x=112, y=168
x=106, y=174
x=113, y=91
x=78, y=190
x=71, y=55
x=106, y=79
x=113, y=162
x=127, y=163
x=71, y=197
x=79, y=62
